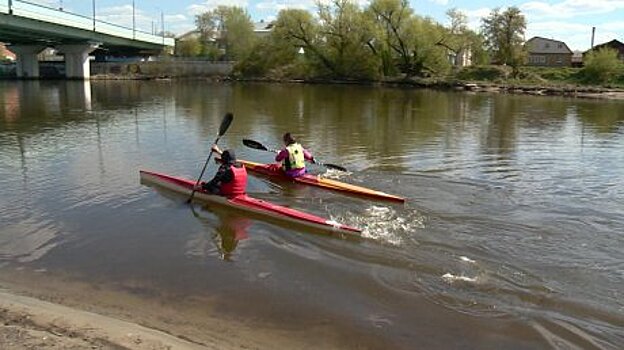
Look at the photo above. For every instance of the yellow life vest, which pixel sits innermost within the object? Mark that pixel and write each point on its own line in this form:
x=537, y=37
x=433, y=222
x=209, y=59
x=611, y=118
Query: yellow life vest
x=296, y=159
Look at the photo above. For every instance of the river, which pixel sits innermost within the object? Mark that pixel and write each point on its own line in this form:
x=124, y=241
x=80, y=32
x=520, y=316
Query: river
x=512, y=235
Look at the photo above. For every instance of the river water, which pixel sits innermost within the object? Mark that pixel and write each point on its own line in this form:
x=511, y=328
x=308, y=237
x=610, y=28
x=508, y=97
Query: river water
x=512, y=235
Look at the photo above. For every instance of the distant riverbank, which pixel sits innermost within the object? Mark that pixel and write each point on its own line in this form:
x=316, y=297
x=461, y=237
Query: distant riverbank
x=578, y=91
x=223, y=71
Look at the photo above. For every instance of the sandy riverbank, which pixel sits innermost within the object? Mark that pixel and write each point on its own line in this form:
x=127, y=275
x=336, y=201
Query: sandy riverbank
x=30, y=323
x=41, y=310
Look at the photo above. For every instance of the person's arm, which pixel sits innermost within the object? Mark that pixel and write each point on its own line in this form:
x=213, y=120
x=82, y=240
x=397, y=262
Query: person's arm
x=223, y=175
x=281, y=155
x=308, y=156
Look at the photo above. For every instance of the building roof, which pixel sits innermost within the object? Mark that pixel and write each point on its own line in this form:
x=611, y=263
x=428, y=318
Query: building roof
x=542, y=45
x=615, y=44
x=190, y=34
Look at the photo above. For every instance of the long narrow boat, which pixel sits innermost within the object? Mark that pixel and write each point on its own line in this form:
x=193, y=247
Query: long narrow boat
x=319, y=181
x=249, y=205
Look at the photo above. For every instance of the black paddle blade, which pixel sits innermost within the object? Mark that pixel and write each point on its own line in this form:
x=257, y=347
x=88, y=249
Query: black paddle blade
x=225, y=123
x=254, y=144
x=333, y=166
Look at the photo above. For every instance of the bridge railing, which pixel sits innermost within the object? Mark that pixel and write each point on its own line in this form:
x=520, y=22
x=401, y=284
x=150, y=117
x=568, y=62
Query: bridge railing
x=46, y=14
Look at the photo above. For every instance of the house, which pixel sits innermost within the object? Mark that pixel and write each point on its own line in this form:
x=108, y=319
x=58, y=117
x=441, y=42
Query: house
x=548, y=52
x=613, y=44
x=5, y=54
x=577, y=58
x=262, y=28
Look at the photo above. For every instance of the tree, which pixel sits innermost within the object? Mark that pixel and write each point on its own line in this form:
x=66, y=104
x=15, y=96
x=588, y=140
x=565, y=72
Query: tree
x=406, y=39
x=504, y=36
x=230, y=28
x=392, y=17
x=602, y=66
x=278, y=54
x=190, y=47
x=458, y=39
x=345, y=33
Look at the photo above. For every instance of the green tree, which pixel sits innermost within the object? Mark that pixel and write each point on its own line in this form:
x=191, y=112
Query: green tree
x=190, y=47
x=392, y=33
x=459, y=39
x=429, y=58
x=345, y=33
x=504, y=36
x=278, y=54
x=602, y=66
x=230, y=28
x=408, y=40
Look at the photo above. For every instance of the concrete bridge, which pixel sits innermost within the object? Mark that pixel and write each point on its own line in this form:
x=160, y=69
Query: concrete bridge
x=29, y=28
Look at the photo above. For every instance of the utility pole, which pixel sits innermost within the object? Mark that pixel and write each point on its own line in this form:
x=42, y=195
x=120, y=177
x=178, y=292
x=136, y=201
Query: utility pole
x=133, y=22
x=593, y=35
x=93, y=6
x=162, y=21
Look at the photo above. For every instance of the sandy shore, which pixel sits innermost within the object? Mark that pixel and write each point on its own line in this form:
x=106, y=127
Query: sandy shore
x=29, y=323
x=40, y=310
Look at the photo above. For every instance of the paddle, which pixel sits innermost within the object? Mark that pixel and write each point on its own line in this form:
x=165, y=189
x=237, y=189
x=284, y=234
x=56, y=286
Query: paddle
x=257, y=145
x=225, y=124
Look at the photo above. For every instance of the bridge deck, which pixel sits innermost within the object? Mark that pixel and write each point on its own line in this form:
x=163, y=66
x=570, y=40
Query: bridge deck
x=28, y=23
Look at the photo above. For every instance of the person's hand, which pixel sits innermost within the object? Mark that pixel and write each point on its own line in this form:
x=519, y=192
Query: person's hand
x=197, y=187
x=313, y=160
x=215, y=148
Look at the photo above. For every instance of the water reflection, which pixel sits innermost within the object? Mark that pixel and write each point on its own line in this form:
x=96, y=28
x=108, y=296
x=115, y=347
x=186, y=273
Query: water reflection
x=232, y=229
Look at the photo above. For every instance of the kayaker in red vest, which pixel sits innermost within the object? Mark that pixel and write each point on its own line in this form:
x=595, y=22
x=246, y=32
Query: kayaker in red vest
x=293, y=157
x=231, y=177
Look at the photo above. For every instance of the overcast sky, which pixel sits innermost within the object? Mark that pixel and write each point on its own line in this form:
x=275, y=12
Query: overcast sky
x=570, y=21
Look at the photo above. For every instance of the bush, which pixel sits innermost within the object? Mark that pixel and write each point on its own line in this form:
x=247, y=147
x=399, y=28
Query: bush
x=490, y=73
x=602, y=66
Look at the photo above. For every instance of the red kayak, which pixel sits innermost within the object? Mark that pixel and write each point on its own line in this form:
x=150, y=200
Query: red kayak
x=249, y=205
x=274, y=171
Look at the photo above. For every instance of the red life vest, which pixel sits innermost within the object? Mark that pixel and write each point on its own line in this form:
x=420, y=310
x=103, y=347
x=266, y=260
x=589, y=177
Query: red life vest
x=238, y=185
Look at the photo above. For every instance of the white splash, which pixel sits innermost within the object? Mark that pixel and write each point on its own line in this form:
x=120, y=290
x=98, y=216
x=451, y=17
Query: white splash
x=386, y=224
x=452, y=278
x=467, y=259
x=335, y=174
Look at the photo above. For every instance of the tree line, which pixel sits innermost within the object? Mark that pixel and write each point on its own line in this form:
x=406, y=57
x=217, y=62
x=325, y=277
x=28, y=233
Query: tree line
x=342, y=40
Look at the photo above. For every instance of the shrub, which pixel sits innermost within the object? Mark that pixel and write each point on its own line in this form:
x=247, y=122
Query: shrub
x=602, y=66
x=491, y=73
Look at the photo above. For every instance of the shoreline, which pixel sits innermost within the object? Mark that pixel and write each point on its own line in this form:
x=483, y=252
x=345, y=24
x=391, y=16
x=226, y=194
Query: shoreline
x=28, y=322
x=575, y=91
x=42, y=309
x=563, y=90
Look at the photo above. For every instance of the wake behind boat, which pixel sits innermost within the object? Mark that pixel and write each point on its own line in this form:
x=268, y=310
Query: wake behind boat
x=249, y=205
x=318, y=181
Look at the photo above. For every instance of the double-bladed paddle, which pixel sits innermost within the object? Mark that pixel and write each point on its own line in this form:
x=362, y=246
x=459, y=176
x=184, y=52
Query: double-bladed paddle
x=257, y=145
x=225, y=124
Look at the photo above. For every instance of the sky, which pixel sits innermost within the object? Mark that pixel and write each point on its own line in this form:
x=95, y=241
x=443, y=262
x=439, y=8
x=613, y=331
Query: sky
x=570, y=21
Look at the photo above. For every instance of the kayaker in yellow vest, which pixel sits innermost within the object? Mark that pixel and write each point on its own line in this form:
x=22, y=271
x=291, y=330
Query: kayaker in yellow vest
x=293, y=157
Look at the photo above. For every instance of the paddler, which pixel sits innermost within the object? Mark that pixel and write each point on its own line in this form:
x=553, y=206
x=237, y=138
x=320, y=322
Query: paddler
x=293, y=157
x=231, y=177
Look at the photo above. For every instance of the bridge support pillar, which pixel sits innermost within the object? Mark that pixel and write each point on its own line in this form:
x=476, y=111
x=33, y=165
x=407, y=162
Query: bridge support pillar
x=77, y=60
x=26, y=60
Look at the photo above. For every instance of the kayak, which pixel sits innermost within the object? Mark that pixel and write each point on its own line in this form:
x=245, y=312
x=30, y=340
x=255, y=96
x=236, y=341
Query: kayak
x=273, y=171
x=249, y=205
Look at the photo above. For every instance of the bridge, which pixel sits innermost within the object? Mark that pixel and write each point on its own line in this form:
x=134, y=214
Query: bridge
x=29, y=28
